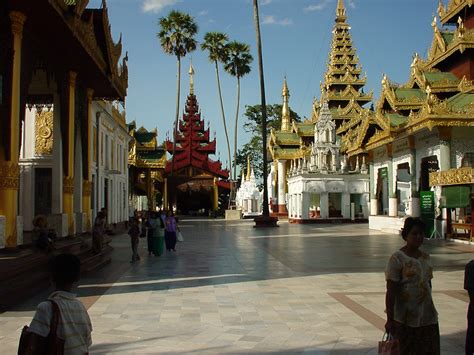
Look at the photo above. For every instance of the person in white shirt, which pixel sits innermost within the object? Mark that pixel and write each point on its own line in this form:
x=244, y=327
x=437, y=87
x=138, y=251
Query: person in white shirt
x=411, y=315
x=74, y=325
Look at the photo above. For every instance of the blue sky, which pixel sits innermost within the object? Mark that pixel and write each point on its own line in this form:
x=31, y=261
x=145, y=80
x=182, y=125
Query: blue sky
x=296, y=37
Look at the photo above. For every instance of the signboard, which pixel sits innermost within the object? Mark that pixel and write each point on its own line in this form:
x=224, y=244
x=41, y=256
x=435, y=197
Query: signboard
x=383, y=172
x=427, y=211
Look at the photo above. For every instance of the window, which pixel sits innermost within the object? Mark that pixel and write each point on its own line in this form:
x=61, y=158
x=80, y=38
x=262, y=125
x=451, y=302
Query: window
x=468, y=160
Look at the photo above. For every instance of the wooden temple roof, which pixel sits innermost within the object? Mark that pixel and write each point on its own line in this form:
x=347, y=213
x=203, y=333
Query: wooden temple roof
x=75, y=38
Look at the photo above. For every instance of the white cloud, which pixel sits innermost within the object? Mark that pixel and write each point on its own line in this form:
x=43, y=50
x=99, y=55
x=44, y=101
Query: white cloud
x=351, y=3
x=272, y=20
x=203, y=13
x=317, y=7
x=157, y=5
x=265, y=2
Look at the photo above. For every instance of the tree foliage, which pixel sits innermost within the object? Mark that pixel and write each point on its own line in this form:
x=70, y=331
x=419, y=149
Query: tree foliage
x=176, y=34
x=254, y=146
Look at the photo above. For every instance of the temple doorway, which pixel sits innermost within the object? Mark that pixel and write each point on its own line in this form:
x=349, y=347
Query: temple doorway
x=43, y=191
x=194, y=202
x=334, y=199
x=428, y=165
x=403, y=188
x=382, y=191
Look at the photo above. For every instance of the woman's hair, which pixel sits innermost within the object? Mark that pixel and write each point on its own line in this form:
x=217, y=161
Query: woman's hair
x=65, y=269
x=411, y=222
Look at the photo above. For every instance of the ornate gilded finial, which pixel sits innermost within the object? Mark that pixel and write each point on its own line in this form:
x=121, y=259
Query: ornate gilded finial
x=441, y=8
x=285, y=112
x=434, y=23
x=460, y=27
x=248, y=168
x=191, y=78
x=340, y=11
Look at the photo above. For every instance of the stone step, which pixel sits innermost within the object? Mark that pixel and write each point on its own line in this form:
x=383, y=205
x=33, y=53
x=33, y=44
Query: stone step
x=25, y=273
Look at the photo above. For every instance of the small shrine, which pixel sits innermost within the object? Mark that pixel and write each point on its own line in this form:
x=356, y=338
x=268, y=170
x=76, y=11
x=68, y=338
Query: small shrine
x=325, y=149
x=249, y=197
x=197, y=185
x=325, y=187
x=147, y=161
x=343, y=89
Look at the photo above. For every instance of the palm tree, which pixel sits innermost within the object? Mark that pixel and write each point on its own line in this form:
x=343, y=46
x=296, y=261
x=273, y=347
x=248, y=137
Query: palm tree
x=216, y=44
x=176, y=37
x=238, y=65
x=265, y=212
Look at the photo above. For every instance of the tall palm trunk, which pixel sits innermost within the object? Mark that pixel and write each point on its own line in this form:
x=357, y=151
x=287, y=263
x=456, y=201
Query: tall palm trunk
x=175, y=128
x=223, y=117
x=236, y=125
x=265, y=212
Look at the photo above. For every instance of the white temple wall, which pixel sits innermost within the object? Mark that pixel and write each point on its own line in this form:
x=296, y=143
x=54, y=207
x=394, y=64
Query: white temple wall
x=111, y=166
x=304, y=190
x=462, y=141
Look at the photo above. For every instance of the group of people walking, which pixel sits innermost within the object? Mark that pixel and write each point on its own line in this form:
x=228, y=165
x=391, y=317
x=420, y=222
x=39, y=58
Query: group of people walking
x=159, y=227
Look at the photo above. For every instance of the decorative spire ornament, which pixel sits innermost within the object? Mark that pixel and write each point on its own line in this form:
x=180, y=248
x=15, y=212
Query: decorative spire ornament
x=191, y=78
x=285, y=114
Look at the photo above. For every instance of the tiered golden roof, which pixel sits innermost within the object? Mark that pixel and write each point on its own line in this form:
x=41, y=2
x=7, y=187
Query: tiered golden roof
x=342, y=87
x=437, y=93
x=343, y=81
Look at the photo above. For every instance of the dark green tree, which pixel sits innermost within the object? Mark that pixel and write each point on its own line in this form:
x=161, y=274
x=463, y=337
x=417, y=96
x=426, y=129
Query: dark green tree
x=253, y=125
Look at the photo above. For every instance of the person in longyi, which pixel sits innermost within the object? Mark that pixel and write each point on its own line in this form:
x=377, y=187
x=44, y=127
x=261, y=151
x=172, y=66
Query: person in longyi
x=411, y=315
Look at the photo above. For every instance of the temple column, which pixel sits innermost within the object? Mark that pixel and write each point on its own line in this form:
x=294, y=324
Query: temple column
x=165, y=193
x=414, y=210
x=392, y=197
x=87, y=183
x=281, y=186
x=68, y=181
x=324, y=205
x=215, y=199
x=444, y=134
x=9, y=169
x=305, y=205
x=372, y=186
x=148, y=189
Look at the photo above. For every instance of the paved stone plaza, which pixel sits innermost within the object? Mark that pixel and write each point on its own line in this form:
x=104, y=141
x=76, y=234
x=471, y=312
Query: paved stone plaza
x=233, y=289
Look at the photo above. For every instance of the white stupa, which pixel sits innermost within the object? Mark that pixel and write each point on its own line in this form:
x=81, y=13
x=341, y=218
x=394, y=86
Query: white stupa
x=249, y=198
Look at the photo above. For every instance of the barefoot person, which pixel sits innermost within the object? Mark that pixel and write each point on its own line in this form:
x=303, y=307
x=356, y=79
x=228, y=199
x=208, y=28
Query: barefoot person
x=411, y=314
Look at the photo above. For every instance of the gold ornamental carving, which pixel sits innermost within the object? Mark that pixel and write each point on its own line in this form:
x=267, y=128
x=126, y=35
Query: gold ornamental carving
x=17, y=22
x=9, y=176
x=44, y=133
x=460, y=176
x=86, y=188
x=68, y=185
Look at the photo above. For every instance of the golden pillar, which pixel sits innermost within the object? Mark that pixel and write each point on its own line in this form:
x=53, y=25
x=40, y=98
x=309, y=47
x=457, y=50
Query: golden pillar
x=215, y=200
x=87, y=183
x=9, y=169
x=165, y=193
x=148, y=187
x=68, y=182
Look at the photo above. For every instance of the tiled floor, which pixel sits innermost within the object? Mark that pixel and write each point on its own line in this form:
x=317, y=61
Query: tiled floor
x=231, y=288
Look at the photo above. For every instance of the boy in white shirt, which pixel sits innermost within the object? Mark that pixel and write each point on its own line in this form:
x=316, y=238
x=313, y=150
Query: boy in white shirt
x=74, y=325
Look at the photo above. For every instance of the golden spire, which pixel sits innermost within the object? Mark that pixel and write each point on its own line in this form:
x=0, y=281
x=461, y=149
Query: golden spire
x=191, y=79
x=285, y=112
x=248, y=168
x=340, y=11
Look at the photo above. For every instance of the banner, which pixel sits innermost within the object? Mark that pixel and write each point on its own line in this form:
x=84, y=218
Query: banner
x=427, y=211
